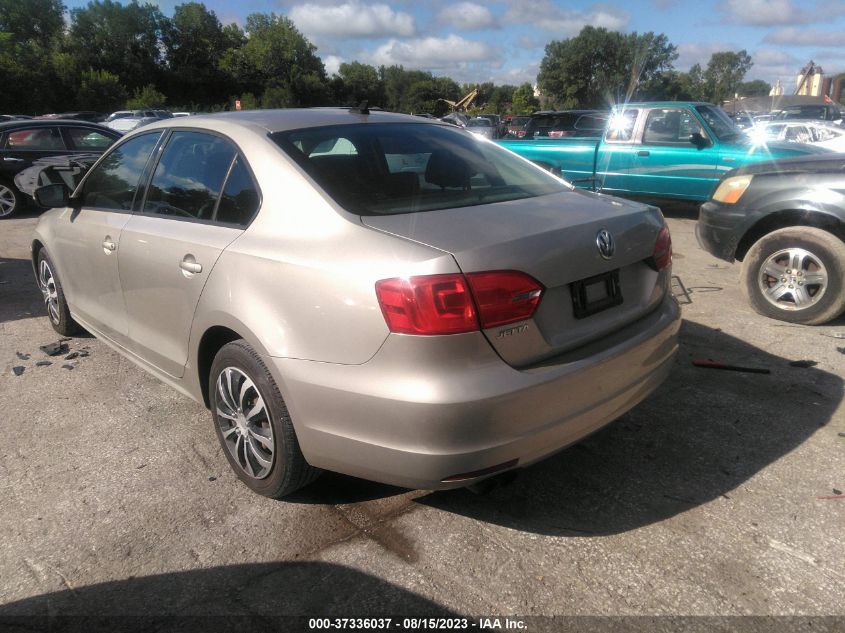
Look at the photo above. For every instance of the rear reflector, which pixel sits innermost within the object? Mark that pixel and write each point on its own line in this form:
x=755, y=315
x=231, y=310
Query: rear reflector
x=455, y=303
x=662, y=255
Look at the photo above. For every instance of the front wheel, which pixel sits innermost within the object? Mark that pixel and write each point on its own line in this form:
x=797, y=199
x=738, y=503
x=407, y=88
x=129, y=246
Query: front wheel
x=11, y=200
x=54, y=296
x=796, y=274
x=253, y=423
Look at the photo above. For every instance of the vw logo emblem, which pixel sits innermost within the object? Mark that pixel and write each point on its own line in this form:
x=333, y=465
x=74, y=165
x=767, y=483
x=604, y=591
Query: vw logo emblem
x=604, y=241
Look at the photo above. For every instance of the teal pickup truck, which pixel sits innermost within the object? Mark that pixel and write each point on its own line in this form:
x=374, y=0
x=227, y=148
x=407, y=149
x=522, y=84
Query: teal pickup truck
x=655, y=150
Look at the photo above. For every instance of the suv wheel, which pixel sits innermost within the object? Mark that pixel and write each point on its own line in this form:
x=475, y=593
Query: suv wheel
x=253, y=423
x=10, y=200
x=796, y=274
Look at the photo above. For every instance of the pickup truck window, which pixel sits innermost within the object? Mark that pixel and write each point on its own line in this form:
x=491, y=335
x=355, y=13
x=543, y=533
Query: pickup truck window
x=719, y=122
x=620, y=128
x=672, y=126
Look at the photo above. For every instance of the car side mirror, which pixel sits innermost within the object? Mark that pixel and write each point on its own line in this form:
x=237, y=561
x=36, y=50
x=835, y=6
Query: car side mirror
x=700, y=141
x=53, y=196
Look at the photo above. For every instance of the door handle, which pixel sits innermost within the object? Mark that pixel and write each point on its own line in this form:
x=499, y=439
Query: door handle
x=190, y=265
x=108, y=245
x=9, y=159
x=643, y=152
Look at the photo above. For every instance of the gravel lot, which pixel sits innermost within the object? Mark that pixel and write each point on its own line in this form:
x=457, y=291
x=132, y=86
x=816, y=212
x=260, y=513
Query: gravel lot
x=706, y=500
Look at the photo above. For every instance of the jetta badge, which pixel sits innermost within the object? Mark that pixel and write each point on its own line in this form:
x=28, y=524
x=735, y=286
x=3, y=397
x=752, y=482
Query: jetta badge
x=604, y=241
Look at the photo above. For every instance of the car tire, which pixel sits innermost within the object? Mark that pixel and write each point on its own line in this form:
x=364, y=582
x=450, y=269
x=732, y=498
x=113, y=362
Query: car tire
x=796, y=274
x=11, y=200
x=54, y=296
x=253, y=424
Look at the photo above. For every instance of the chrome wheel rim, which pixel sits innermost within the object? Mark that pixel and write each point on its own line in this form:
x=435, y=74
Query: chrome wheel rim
x=7, y=201
x=793, y=279
x=48, y=290
x=244, y=423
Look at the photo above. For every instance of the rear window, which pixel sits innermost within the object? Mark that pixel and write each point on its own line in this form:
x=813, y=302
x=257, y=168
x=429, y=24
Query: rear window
x=384, y=169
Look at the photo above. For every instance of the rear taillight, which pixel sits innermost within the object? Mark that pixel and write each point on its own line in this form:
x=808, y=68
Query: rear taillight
x=504, y=296
x=455, y=304
x=662, y=255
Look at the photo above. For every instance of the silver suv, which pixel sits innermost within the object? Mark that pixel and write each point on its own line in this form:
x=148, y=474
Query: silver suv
x=369, y=293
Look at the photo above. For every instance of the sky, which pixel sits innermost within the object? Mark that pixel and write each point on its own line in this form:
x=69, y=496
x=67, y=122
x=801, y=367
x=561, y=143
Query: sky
x=503, y=41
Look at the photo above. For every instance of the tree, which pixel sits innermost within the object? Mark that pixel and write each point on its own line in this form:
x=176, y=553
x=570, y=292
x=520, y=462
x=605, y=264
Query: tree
x=359, y=82
x=101, y=91
x=146, y=97
x=755, y=88
x=600, y=67
x=123, y=40
x=524, y=101
x=193, y=41
x=724, y=72
x=279, y=61
x=32, y=20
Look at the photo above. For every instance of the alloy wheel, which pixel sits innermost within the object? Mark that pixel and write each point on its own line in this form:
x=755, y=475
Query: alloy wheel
x=8, y=201
x=48, y=289
x=793, y=279
x=244, y=422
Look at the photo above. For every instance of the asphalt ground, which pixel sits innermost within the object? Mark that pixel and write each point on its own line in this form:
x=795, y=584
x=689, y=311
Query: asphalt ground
x=711, y=498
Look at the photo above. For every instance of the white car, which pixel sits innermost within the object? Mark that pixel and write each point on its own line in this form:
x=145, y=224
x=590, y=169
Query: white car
x=815, y=132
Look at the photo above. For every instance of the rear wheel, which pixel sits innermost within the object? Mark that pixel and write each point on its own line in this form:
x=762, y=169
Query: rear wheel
x=11, y=200
x=253, y=424
x=796, y=274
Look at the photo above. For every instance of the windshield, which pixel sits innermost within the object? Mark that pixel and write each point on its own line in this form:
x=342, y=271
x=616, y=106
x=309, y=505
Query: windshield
x=479, y=123
x=718, y=122
x=390, y=168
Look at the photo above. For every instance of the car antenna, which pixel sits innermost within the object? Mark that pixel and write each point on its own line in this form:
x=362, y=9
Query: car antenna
x=363, y=107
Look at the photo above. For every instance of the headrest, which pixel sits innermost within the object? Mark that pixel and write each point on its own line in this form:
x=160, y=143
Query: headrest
x=445, y=169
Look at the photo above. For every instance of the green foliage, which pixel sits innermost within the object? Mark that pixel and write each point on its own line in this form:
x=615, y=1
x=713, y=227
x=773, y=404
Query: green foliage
x=101, y=91
x=524, y=101
x=121, y=39
x=599, y=67
x=146, y=97
x=278, y=61
x=724, y=72
x=32, y=20
x=756, y=88
x=357, y=82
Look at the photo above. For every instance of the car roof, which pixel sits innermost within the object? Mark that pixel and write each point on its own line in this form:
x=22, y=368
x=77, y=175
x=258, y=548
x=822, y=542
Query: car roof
x=289, y=119
x=30, y=123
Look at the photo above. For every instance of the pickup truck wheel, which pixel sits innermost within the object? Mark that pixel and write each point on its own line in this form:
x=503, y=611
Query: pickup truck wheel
x=253, y=423
x=796, y=274
x=11, y=200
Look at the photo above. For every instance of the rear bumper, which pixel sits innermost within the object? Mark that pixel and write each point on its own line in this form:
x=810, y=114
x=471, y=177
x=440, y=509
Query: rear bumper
x=425, y=409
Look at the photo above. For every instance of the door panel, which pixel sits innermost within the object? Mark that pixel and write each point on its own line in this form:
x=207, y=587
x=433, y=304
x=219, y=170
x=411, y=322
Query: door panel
x=164, y=264
x=88, y=267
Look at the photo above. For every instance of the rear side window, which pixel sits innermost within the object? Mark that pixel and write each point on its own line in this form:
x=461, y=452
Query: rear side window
x=189, y=176
x=40, y=138
x=240, y=198
x=408, y=167
x=85, y=138
x=620, y=127
x=113, y=183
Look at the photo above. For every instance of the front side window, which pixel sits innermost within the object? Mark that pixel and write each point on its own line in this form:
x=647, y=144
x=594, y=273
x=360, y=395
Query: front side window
x=410, y=167
x=189, y=176
x=113, y=183
x=671, y=126
x=39, y=138
x=719, y=122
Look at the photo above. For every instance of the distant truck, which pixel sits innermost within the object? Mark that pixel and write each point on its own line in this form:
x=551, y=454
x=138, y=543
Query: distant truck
x=676, y=150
